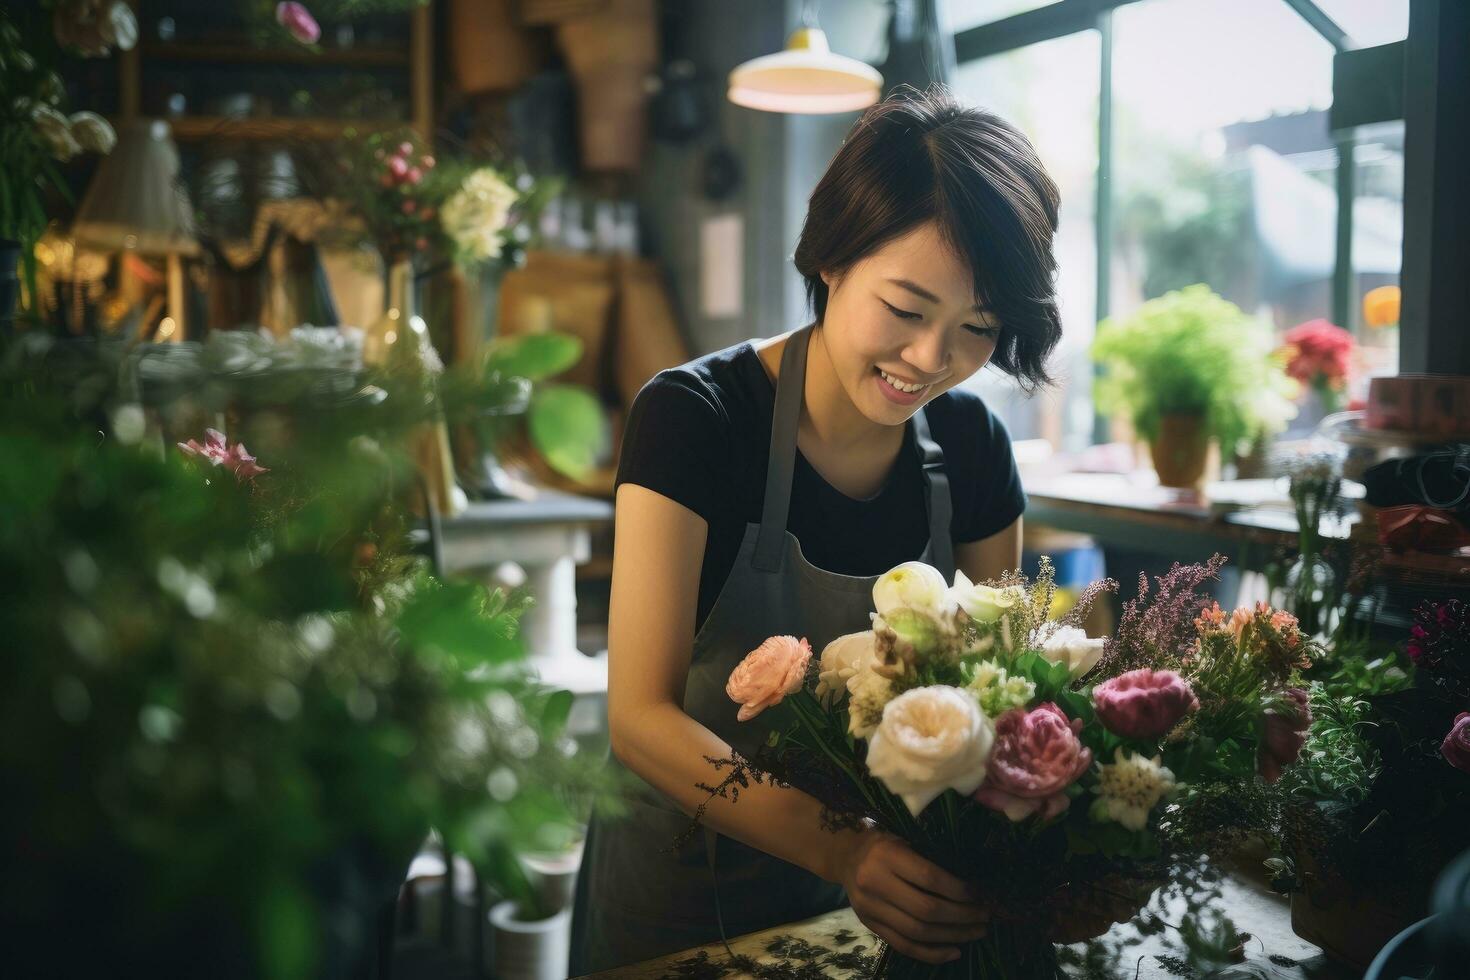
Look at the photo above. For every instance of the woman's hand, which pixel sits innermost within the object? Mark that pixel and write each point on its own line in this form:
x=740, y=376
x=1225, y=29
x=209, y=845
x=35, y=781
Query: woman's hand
x=1083, y=912
x=917, y=907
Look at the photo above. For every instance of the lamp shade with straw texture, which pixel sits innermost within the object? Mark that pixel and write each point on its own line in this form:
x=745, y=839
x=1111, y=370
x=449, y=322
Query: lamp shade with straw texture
x=805, y=78
x=135, y=201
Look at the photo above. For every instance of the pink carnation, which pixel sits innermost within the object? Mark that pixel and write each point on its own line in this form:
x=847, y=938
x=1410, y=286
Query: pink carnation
x=298, y=20
x=1284, y=732
x=216, y=451
x=1036, y=757
x=1143, y=703
x=1456, y=745
x=768, y=673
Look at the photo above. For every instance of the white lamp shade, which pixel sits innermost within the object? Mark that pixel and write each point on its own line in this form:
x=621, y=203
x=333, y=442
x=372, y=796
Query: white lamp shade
x=805, y=78
x=135, y=201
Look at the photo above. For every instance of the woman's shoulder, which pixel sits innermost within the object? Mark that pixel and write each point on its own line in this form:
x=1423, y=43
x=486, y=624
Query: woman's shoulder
x=718, y=388
x=961, y=418
x=690, y=432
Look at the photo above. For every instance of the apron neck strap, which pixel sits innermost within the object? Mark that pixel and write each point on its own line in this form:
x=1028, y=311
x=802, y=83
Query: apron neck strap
x=936, y=497
x=771, y=543
x=786, y=418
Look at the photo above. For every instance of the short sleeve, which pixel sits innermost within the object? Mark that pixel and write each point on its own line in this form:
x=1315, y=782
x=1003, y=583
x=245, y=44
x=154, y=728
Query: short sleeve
x=999, y=498
x=676, y=443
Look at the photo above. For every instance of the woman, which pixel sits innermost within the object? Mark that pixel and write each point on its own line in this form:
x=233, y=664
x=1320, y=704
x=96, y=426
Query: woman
x=763, y=488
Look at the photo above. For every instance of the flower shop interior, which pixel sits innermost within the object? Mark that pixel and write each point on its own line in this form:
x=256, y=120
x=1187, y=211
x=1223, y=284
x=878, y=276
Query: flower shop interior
x=321, y=324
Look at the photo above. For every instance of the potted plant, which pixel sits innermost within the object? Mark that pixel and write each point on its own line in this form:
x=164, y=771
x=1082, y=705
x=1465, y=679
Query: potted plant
x=237, y=701
x=1188, y=368
x=1376, y=808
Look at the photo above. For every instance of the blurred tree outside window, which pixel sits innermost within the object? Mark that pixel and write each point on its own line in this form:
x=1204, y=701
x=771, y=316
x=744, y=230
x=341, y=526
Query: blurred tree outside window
x=1224, y=172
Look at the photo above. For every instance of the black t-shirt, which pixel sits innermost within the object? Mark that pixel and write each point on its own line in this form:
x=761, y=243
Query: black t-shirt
x=700, y=435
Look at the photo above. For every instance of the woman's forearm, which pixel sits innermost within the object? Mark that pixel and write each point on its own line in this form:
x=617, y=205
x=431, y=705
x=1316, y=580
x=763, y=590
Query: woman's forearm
x=667, y=748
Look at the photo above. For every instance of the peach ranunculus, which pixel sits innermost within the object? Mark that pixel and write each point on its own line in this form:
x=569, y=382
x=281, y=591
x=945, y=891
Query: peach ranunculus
x=768, y=673
x=1036, y=757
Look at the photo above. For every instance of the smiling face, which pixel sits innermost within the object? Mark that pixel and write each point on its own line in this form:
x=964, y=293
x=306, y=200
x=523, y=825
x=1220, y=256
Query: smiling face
x=902, y=327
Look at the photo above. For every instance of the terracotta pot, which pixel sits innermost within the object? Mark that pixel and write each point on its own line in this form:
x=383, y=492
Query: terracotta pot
x=1181, y=451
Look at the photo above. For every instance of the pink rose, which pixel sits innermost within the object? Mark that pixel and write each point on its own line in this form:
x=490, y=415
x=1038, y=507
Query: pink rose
x=768, y=673
x=1143, y=703
x=1036, y=757
x=1284, y=732
x=298, y=20
x=1456, y=745
x=397, y=168
x=414, y=175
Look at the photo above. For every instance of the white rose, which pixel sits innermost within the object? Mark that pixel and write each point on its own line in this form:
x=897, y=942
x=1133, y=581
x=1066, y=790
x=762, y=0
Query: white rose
x=912, y=585
x=1070, y=646
x=1130, y=788
x=118, y=26
x=868, y=693
x=930, y=739
x=93, y=132
x=55, y=133
x=841, y=659
x=983, y=603
x=475, y=215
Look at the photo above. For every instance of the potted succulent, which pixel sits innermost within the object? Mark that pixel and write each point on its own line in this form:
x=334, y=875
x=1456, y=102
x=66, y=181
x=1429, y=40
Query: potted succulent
x=1187, y=368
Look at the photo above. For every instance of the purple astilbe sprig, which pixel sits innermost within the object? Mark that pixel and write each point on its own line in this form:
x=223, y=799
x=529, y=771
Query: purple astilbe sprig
x=1077, y=615
x=1157, y=628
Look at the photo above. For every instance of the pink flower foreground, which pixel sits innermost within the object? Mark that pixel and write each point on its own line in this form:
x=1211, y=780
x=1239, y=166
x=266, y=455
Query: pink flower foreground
x=217, y=452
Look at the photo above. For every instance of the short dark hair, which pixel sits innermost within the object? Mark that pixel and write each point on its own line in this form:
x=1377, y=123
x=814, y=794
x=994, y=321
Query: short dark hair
x=918, y=156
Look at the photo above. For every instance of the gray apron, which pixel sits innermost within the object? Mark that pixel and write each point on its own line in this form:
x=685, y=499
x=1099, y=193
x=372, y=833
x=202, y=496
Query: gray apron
x=637, y=897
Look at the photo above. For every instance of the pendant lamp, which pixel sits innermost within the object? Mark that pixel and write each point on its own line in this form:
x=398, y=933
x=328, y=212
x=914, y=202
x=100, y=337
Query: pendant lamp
x=806, y=77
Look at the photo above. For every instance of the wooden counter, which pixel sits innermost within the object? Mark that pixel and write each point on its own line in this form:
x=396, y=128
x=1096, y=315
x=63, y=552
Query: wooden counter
x=1273, y=951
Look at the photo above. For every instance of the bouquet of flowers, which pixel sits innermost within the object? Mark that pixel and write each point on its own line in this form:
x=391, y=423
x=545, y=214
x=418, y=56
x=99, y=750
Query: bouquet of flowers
x=1319, y=355
x=1024, y=756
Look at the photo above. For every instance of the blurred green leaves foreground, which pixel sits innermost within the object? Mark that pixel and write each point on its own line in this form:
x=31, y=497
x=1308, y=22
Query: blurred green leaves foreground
x=231, y=709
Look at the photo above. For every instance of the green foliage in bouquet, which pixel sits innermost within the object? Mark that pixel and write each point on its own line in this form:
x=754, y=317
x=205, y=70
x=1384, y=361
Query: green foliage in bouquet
x=236, y=702
x=1190, y=352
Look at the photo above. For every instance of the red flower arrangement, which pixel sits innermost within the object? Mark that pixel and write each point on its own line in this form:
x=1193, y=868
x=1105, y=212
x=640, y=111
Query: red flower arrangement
x=1319, y=354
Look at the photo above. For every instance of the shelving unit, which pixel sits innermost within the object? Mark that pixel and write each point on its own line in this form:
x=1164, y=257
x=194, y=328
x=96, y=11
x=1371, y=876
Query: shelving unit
x=416, y=55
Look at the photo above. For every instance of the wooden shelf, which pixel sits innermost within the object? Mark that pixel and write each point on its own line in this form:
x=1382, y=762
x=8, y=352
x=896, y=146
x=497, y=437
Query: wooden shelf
x=365, y=56
x=195, y=128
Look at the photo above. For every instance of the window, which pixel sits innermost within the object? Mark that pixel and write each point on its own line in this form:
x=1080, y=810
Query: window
x=1369, y=22
x=1050, y=92
x=1223, y=163
x=972, y=13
